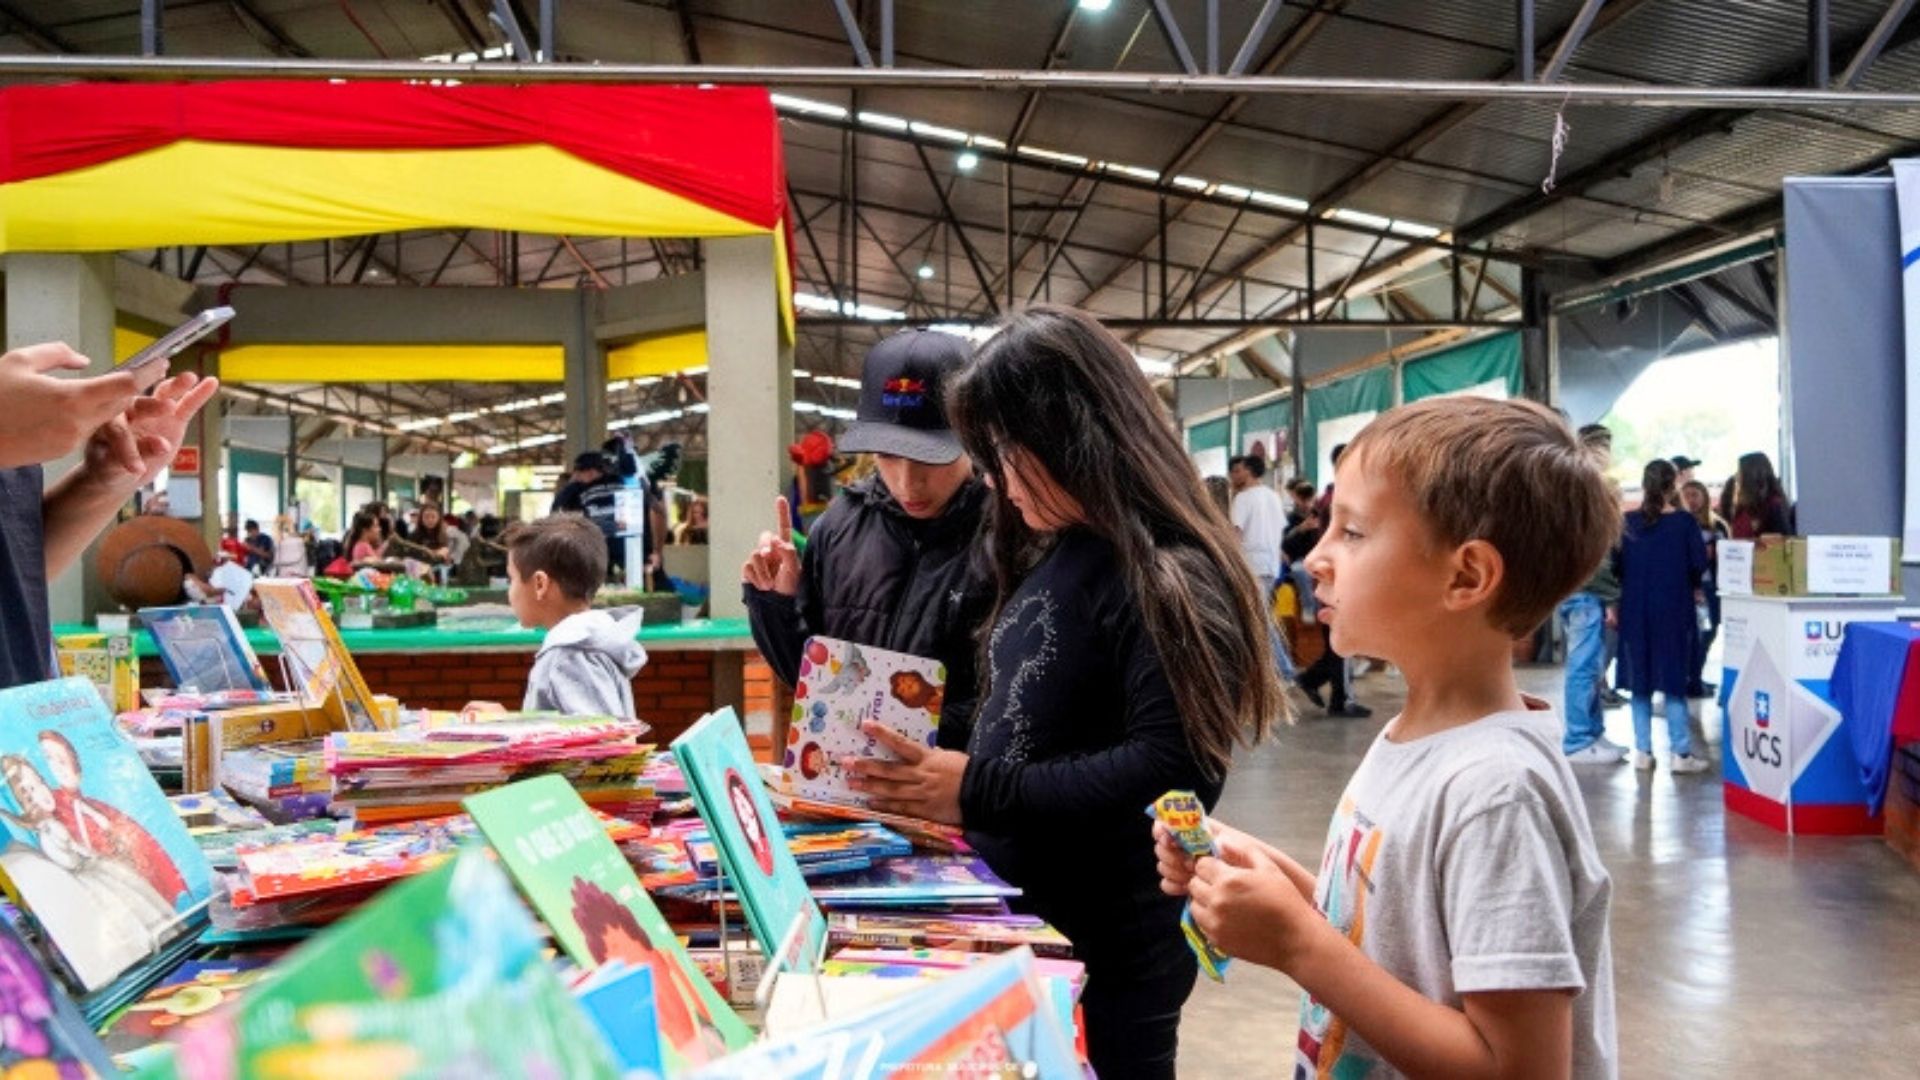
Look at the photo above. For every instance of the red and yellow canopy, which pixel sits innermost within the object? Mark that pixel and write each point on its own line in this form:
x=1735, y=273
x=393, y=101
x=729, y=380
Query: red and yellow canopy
x=106, y=167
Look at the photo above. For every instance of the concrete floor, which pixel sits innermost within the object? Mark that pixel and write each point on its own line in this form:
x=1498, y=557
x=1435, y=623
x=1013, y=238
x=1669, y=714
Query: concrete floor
x=1737, y=952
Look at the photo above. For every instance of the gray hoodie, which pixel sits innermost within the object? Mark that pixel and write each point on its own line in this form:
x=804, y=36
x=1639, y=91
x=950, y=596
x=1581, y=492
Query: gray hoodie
x=586, y=665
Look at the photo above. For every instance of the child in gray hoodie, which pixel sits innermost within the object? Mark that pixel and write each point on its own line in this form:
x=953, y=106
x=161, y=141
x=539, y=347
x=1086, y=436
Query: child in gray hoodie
x=587, y=663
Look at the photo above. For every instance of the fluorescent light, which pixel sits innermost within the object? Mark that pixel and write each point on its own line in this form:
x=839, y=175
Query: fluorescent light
x=989, y=142
x=1285, y=202
x=925, y=273
x=1414, y=228
x=808, y=106
x=935, y=131
x=974, y=332
x=698, y=407
x=967, y=161
x=1233, y=191
x=1044, y=154
x=839, y=414
x=812, y=302
x=836, y=380
x=554, y=398
x=1365, y=220
x=1095, y=5
x=1191, y=183
x=883, y=120
x=459, y=417
x=701, y=370
x=1134, y=171
x=1156, y=368
x=618, y=385
x=421, y=424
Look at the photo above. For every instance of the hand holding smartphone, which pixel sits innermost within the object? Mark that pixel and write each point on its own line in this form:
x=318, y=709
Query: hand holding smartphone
x=150, y=364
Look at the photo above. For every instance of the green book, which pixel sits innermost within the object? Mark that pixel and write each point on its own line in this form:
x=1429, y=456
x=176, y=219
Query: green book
x=443, y=974
x=589, y=895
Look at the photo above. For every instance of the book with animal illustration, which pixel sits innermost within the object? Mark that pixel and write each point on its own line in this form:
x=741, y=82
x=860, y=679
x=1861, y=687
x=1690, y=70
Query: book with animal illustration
x=193, y=989
x=841, y=686
x=586, y=892
x=93, y=849
x=732, y=800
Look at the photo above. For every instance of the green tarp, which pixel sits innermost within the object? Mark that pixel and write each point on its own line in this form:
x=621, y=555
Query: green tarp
x=1357, y=395
x=1493, y=360
x=1212, y=435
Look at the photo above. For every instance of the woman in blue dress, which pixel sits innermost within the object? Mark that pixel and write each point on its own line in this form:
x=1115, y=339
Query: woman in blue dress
x=1660, y=561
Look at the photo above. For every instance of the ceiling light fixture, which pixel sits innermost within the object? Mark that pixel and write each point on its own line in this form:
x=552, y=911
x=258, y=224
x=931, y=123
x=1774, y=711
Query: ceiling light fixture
x=925, y=273
x=967, y=161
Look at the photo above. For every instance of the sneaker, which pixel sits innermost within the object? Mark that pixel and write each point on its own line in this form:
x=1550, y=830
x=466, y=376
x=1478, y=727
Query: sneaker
x=1613, y=747
x=1613, y=699
x=1643, y=761
x=1352, y=710
x=1689, y=763
x=1597, y=754
x=1699, y=691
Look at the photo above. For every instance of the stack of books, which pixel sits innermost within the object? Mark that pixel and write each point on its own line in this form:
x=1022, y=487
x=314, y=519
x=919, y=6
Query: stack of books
x=413, y=773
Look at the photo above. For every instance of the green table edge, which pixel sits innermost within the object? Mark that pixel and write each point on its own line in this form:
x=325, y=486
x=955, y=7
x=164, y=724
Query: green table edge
x=700, y=633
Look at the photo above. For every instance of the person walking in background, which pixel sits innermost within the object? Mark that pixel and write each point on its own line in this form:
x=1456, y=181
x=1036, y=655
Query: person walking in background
x=1698, y=503
x=1331, y=669
x=1303, y=493
x=1659, y=561
x=1759, y=502
x=1259, y=518
x=1586, y=615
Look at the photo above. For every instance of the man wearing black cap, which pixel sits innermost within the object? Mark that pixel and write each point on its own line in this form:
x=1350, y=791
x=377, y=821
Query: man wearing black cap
x=1683, y=465
x=593, y=491
x=889, y=564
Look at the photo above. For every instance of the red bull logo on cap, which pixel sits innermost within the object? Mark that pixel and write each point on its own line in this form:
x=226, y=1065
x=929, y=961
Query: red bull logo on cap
x=904, y=393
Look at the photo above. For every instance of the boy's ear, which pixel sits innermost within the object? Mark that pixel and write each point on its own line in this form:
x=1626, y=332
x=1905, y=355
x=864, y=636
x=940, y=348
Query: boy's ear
x=541, y=583
x=1478, y=571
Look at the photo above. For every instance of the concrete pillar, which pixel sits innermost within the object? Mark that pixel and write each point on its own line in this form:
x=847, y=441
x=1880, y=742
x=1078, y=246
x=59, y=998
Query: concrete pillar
x=750, y=393
x=205, y=433
x=586, y=379
x=64, y=298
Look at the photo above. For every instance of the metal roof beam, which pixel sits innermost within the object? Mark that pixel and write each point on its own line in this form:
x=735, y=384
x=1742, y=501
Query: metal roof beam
x=1170, y=29
x=1876, y=43
x=851, y=25
x=41, y=35
x=1570, y=41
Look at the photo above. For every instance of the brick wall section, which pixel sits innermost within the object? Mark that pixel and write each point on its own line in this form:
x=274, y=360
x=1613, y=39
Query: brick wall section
x=670, y=693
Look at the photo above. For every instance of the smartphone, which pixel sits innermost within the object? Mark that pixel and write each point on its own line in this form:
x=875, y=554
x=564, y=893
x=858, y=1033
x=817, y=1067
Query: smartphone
x=151, y=362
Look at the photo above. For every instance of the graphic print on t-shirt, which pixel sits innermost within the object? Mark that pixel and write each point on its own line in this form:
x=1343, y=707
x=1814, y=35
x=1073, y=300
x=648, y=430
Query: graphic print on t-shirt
x=1346, y=880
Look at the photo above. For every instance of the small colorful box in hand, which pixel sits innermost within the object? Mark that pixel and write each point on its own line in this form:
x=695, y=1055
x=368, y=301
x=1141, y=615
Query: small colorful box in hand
x=1186, y=819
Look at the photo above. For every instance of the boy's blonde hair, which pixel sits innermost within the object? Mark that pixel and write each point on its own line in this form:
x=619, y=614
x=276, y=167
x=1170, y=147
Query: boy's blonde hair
x=1510, y=473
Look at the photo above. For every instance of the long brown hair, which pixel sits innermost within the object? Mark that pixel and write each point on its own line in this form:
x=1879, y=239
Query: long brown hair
x=1065, y=392
x=1656, y=488
x=1756, y=484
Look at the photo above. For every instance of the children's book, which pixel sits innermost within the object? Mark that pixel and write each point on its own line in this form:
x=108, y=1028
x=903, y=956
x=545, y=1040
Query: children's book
x=931, y=835
x=914, y=880
x=718, y=765
x=316, y=657
x=583, y=888
x=813, y=844
x=620, y=1000
x=992, y=1019
x=361, y=857
x=193, y=989
x=44, y=1035
x=443, y=975
x=841, y=686
x=204, y=648
x=106, y=661
x=93, y=850
x=974, y=933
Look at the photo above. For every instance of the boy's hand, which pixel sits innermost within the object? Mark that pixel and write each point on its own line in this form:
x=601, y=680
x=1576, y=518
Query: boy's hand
x=774, y=565
x=1248, y=906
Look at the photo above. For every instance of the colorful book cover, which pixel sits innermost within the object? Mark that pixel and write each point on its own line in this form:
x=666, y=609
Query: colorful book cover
x=992, y=1019
x=841, y=686
x=733, y=802
x=916, y=878
x=360, y=857
x=816, y=844
x=931, y=835
x=106, y=661
x=587, y=894
x=444, y=975
x=204, y=648
x=621, y=1001
x=41, y=1033
x=317, y=658
x=94, y=852
x=193, y=989
x=974, y=933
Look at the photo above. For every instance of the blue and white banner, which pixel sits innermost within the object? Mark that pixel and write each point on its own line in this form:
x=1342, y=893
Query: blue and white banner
x=1906, y=175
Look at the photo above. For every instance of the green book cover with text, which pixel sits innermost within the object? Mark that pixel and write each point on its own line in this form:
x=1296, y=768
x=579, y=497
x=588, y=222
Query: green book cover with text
x=591, y=898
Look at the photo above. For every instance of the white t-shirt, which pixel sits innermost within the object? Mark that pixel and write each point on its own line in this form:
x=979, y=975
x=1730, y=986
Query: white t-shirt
x=1463, y=863
x=1262, y=522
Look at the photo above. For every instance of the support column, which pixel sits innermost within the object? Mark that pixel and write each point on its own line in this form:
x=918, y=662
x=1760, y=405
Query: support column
x=1535, y=374
x=1296, y=380
x=205, y=433
x=65, y=298
x=750, y=394
x=586, y=379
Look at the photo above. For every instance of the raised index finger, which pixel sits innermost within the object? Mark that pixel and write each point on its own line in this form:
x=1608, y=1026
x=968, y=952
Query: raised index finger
x=782, y=518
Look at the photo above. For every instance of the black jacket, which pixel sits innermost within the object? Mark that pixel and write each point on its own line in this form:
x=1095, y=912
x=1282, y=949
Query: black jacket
x=875, y=576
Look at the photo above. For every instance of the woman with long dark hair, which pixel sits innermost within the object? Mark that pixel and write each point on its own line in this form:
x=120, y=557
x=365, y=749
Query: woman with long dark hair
x=1698, y=502
x=1127, y=654
x=1660, y=560
x=1759, y=500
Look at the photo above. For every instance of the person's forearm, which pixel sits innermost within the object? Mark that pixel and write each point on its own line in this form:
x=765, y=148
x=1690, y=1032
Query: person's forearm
x=1417, y=1035
x=77, y=509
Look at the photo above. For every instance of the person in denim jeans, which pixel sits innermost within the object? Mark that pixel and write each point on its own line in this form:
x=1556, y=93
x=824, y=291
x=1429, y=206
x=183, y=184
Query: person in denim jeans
x=1587, y=615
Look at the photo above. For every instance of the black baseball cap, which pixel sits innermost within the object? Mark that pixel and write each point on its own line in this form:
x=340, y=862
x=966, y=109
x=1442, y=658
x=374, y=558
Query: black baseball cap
x=1683, y=462
x=903, y=398
x=592, y=459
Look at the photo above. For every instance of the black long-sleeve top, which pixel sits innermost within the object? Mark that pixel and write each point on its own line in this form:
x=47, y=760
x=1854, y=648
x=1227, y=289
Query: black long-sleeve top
x=1077, y=732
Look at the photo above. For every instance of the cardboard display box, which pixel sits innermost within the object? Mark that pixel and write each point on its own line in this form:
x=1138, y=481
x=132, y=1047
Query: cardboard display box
x=1809, y=566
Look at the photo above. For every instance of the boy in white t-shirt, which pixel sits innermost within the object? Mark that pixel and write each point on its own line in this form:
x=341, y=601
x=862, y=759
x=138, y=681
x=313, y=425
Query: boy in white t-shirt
x=1458, y=922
